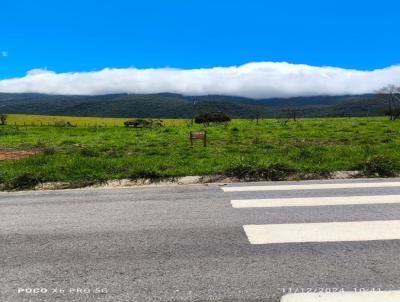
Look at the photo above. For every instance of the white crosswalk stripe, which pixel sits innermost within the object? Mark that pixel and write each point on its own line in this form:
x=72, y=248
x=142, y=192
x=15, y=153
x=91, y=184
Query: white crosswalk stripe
x=321, y=231
x=351, y=185
x=314, y=201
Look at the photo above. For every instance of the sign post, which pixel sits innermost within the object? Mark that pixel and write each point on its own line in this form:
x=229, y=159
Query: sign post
x=198, y=135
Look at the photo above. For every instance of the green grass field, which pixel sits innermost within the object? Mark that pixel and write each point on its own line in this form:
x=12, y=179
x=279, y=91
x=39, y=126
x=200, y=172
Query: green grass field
x=44, y=120
x=270, y=150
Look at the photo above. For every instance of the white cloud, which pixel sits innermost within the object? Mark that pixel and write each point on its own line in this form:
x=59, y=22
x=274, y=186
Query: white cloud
x=4, y=53
x=257, y=80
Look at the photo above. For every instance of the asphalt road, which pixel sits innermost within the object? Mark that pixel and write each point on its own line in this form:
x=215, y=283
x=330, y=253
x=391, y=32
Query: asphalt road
x=184, y=243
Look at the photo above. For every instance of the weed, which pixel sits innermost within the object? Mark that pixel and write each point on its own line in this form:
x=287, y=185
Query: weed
x=145, y=173
x=378, y=165
x=86, y=152
x=49, y=150
x=24, y=181
x=255, y=171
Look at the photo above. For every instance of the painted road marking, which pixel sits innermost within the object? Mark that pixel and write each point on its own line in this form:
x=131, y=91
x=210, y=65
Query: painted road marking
x=312, y=186
x=323, y=232
x=314, y=201
x=367, y=296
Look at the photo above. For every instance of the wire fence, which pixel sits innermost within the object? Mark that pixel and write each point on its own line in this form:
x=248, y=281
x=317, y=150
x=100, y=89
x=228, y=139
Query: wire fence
x=64, y=124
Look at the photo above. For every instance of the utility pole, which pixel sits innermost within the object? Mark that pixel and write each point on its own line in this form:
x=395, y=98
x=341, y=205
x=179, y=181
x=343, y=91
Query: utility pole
x=193, y=111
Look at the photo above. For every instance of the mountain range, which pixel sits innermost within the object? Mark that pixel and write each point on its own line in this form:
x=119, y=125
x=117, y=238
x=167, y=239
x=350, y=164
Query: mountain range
x=168, y=105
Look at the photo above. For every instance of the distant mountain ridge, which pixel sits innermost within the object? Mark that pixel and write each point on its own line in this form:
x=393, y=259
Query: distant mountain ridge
x=168, y=105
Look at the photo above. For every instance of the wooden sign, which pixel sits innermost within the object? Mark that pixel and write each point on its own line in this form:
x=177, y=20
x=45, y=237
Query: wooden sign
x=198, y=135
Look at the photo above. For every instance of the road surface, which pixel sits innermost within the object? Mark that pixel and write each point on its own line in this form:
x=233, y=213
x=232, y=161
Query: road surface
x=240, y=242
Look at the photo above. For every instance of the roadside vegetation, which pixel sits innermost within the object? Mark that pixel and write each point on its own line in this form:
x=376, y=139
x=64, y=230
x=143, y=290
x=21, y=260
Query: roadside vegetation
x=85, y=151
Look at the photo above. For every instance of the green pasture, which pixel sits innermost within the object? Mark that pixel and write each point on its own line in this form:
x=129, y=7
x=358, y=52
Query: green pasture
x=100, y=149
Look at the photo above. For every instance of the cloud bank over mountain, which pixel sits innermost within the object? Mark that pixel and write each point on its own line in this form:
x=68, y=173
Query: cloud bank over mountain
x=255, y=80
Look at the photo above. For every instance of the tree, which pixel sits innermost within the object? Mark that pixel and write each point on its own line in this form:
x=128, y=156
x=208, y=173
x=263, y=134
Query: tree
x=3, y=119
x=292, y=113
x=391, y=95
x=291, y=110
x=212, y=117
x=393, y=113
x=256, y=115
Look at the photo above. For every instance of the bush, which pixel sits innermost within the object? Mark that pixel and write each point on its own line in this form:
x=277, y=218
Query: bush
x=24, y=181
x=240, y=169
x=3, y=119
x=145, y=173
x=63, y=124
x=393, y=113
x=49, y=150
x=277, y=171
x=143, y=123
x=282, y=122
x=252, y=171
x=212, y=117
x=114, y=153
x=89, y=152
x=378, y=165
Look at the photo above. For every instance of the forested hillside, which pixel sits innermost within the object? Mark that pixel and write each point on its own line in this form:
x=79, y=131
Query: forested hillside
x=178, y=106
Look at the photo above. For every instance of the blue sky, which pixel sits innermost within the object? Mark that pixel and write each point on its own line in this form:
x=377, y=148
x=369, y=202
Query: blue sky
x=98, y=47
x=88, y=35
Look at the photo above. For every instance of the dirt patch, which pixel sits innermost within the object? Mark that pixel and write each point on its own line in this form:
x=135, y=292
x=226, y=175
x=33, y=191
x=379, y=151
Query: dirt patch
x=17, y=154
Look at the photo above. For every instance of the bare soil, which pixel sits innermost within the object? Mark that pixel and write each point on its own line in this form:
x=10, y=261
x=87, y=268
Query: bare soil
x=17, y=154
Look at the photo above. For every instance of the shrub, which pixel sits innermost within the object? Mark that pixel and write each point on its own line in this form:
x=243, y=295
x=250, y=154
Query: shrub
x=24, y=181
x=277, y=171
x=282, y=122
x=212, y=117
x=143, y=123
x=49, y=150
x=145, y=173
x=240, y=169
x=89, y=152
x=3, y=119
x=114, y=153
x=252, y=171
x=393, y=113
x=378, y=165
x=63, y=124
